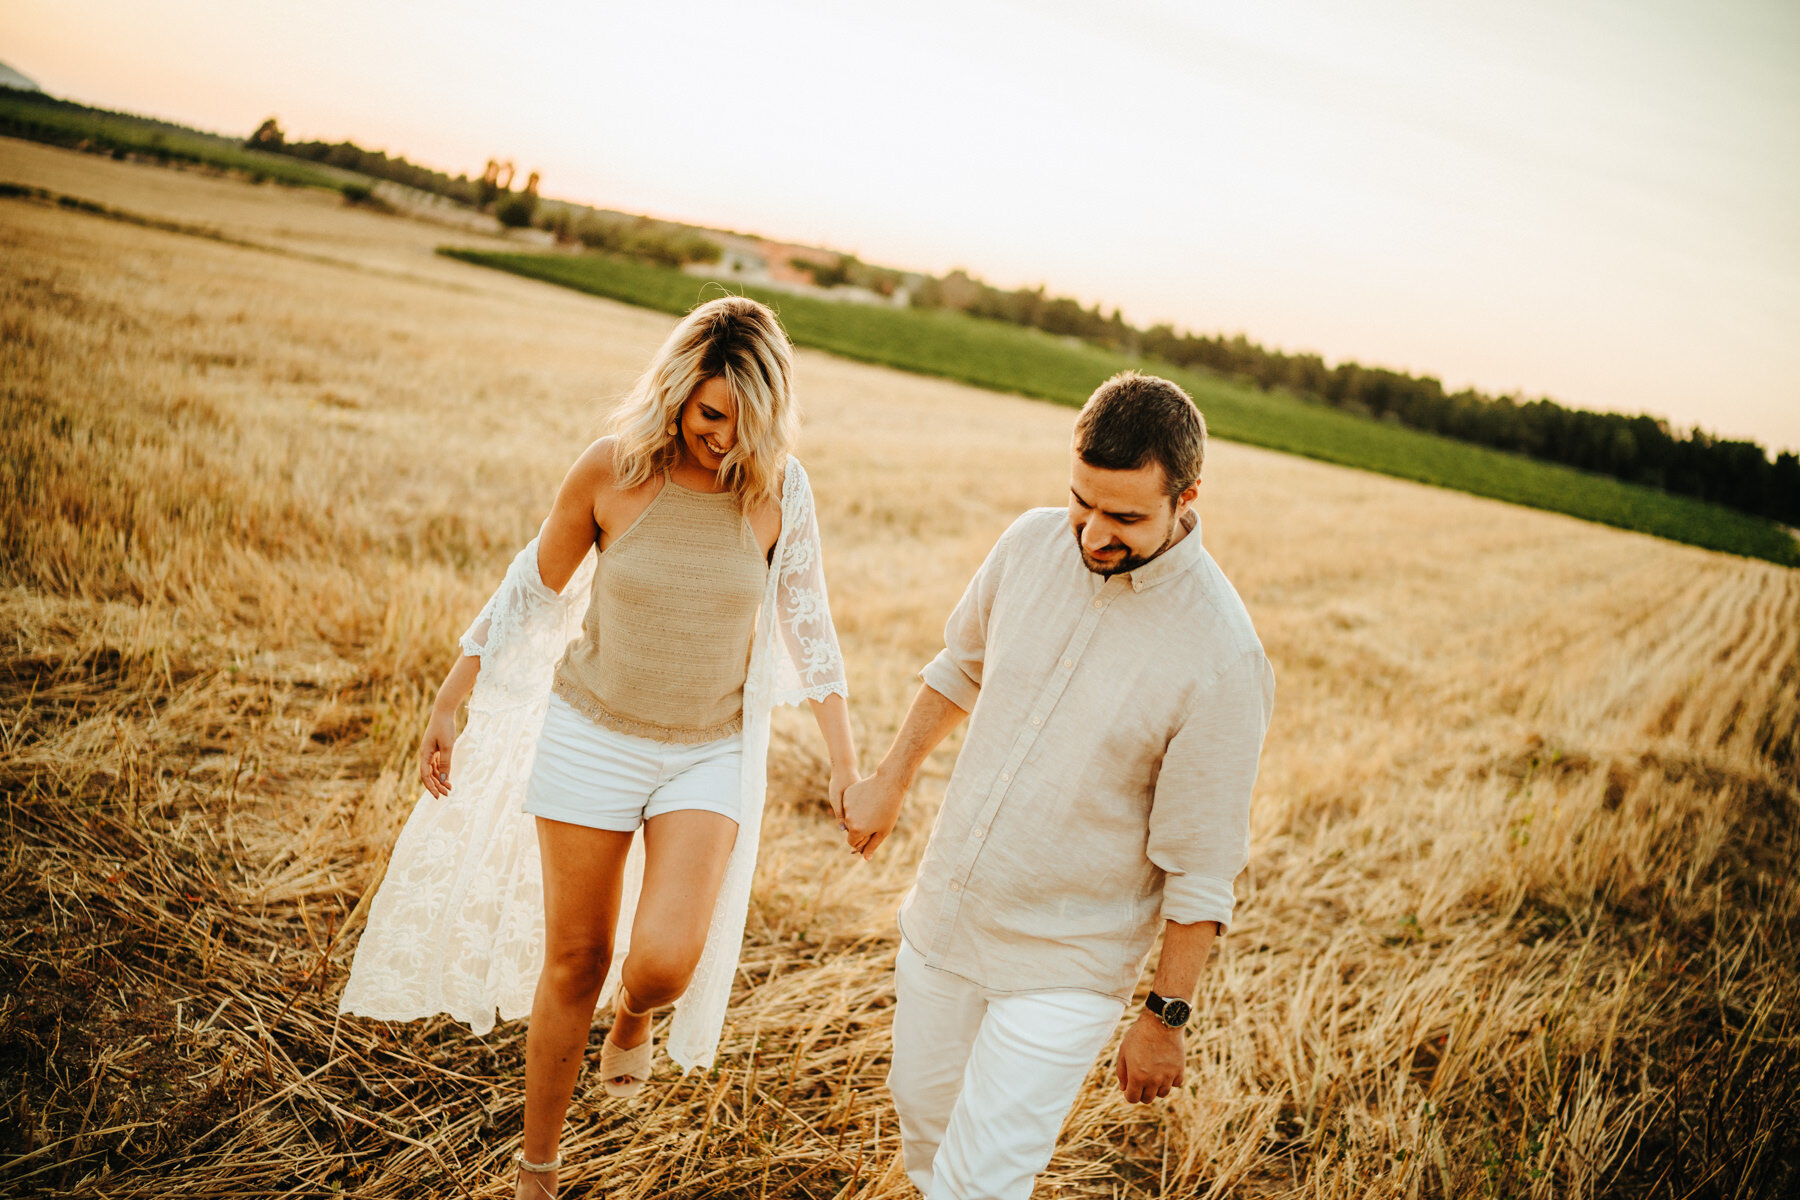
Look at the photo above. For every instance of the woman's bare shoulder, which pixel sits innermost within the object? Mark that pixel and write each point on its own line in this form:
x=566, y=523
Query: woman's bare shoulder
x=598, y=464
x=598, y=473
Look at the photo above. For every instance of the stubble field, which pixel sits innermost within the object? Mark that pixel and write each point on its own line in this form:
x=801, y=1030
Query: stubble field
x=1520, y=919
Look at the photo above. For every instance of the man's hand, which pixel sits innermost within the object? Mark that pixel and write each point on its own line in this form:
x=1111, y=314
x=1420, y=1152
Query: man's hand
x=871, y=808
x=1151, y=1060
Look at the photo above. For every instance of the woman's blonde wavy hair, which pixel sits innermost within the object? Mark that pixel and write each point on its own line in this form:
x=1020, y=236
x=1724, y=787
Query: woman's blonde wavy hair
x=736, y=338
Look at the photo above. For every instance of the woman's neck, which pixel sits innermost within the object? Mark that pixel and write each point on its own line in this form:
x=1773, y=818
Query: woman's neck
x=694, y=477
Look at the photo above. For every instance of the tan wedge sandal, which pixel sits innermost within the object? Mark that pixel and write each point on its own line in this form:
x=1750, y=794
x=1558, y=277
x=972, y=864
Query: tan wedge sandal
x=631, y=1065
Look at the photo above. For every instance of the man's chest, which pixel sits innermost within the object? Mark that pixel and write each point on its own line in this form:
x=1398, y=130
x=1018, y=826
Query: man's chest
x=1095, y=672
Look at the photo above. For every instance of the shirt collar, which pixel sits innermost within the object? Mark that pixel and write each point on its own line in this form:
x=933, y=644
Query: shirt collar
x=1173, y=561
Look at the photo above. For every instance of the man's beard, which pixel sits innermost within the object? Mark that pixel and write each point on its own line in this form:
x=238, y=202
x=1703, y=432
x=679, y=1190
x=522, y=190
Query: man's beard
x=1130, y=561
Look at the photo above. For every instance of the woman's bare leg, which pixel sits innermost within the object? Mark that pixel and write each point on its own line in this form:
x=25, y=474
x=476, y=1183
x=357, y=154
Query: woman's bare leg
x=685, y=853
x=583, y=871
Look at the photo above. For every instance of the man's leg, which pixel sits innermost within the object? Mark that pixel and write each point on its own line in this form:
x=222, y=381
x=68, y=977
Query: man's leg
x=1027, y=1064
x=935, y=1021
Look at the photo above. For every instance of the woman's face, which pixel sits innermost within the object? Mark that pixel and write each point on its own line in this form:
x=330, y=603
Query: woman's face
x=709, y=424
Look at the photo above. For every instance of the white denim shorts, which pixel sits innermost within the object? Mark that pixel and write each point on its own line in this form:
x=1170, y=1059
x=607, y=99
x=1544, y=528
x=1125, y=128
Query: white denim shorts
x=587, y=774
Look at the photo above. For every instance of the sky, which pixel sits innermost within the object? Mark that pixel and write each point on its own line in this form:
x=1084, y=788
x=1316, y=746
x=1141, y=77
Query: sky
x=1587, y=199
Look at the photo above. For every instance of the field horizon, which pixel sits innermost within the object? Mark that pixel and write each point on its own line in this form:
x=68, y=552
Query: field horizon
x=1743, y=513
x=1029, y=362
x=1521, y=916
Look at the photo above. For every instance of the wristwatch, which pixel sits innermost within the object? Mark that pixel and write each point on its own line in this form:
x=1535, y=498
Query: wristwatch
x=1170, y=1011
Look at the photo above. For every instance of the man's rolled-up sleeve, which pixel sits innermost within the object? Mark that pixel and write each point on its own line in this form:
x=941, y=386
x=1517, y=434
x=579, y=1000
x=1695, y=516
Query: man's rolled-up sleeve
x=1200, y=814
x=955, y=674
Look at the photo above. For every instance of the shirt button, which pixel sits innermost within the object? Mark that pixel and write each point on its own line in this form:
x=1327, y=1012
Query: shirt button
x=956, y=885
x=1098, y=602
x=1006, y=777
x=978, y=833
x=1037, y=720
x=1067, y=663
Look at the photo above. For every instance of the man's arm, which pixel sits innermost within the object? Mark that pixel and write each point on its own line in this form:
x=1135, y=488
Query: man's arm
x=1200, y=837
x=952, y=684
x=1152, y=1056
x=872, y=806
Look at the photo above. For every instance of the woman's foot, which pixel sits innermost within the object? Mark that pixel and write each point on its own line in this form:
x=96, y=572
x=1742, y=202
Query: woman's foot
x=630, y=1029
x=535, y=1185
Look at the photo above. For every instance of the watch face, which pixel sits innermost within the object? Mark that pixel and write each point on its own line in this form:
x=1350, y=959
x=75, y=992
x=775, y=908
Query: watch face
x=1175, y=1013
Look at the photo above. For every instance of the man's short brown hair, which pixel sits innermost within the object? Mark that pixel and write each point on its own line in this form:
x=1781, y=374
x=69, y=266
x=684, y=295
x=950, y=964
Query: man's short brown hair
x=1133, y=419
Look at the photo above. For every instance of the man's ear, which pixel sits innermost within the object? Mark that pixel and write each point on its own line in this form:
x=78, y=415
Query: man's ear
x=1188, y=495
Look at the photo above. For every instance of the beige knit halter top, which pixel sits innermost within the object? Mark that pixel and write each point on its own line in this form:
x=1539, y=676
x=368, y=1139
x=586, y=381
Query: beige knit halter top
x=665, y=644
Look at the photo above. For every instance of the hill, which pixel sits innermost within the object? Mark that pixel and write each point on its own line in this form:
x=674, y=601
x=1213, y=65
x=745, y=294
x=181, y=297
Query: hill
x=32, y=115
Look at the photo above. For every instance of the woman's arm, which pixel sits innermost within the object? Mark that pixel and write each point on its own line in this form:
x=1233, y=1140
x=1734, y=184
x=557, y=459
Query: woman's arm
x=833, y=715
x=568, y=533
x=573, y=526
x=808, y=663
x=440, y=728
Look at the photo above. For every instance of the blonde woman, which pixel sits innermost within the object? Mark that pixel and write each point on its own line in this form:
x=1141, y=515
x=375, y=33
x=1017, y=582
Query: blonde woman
x=622, y=679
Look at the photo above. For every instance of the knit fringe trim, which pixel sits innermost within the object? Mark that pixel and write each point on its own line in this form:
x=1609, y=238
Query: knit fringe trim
x=584, y=703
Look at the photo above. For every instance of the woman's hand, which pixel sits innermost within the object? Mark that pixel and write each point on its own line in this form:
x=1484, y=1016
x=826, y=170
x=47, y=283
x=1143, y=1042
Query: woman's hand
x=842, y=776
x=434, y=751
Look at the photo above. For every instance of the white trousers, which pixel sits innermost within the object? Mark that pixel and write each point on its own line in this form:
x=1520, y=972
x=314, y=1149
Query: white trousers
x=982, y=1080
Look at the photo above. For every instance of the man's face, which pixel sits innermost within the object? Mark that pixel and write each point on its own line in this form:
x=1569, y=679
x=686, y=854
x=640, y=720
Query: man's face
x=1122, y=519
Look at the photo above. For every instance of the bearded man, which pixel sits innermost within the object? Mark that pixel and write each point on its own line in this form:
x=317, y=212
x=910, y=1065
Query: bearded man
x=1117, y=698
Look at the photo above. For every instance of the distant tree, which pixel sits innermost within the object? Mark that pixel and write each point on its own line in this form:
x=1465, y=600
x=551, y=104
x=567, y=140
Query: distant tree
x=1784, y=481
x=515, y=210
x=489, y=189
x=660, y=242
x=559, y=222
x=826, y=274
x=268, y=136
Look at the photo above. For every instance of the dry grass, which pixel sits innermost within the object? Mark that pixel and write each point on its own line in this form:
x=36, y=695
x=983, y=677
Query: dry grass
x=1521, y=916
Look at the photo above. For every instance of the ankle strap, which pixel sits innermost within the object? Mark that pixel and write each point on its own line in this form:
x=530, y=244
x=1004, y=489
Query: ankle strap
x=619, y=1000
x=525, y=1164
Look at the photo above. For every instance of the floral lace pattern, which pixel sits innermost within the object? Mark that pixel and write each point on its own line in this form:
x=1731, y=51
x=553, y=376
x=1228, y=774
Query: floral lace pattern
x=457, y=925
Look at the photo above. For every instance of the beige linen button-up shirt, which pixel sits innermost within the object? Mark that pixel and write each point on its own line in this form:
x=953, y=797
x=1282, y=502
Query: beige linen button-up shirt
x=1114, y=731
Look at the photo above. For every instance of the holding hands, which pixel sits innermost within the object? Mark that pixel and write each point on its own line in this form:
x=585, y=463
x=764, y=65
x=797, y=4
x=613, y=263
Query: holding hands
x=871, y=807
x=869, y=810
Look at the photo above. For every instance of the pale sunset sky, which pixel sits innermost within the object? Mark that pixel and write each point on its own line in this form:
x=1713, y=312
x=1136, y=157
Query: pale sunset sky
x=1593, y=200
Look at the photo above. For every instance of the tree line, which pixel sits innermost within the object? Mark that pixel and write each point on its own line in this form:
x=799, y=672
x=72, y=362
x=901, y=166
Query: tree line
x=663, y=242
x=1637, y=449
x=666, y=243
x=376, y=163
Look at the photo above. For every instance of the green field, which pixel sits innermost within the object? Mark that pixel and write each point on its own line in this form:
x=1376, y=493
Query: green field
x=1013, y=358
x=36, y=117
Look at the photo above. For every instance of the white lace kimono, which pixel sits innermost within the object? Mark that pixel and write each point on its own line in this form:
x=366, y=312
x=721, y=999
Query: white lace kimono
x=457, y=925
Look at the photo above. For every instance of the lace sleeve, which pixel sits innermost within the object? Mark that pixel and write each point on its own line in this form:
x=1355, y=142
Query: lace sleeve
x=523, y=626
x=808, y=664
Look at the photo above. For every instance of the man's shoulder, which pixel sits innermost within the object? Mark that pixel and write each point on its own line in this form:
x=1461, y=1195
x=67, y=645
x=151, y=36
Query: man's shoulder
x=1037, y=526
x=1030, y=535
x=1227, y=623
